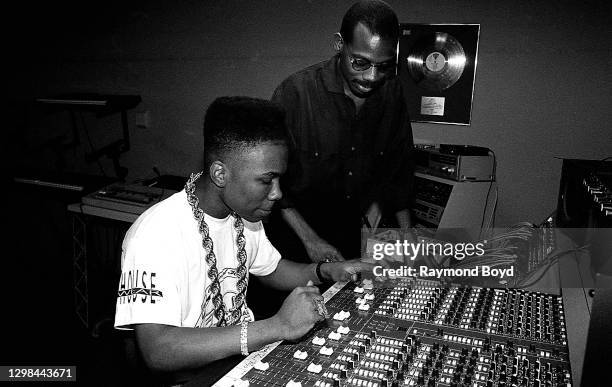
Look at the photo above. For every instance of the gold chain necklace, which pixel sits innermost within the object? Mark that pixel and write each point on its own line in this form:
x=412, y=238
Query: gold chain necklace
x=223, y=316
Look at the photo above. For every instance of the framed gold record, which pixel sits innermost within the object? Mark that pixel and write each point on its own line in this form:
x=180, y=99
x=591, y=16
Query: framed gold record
x=437, y=65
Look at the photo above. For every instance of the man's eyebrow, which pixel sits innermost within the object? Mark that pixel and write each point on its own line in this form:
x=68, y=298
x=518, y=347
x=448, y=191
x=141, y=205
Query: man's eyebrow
x=271, y=174
x=357, y=56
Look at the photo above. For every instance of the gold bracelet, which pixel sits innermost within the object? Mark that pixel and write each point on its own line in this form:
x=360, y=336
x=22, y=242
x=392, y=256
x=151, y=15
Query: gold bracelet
x=244, y=346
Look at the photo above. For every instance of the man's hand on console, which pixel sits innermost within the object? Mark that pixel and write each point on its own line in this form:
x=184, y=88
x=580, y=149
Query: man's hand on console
x=299, y=312
x=319, y=250
x=345, y=270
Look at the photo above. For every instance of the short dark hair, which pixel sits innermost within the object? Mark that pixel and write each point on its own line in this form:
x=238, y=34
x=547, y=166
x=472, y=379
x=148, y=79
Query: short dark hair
x=377, y=15
x=233, y=123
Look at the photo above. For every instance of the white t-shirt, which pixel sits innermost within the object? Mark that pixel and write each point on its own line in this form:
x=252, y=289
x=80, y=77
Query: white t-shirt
x=164, y=271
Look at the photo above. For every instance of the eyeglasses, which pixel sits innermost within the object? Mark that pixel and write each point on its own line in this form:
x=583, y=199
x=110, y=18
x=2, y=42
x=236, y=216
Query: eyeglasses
x=360, y=64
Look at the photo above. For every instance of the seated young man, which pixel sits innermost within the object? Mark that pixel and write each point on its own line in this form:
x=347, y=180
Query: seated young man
x=186, y=261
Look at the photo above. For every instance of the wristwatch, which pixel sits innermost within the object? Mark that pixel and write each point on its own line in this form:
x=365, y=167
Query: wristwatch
x=318, y=270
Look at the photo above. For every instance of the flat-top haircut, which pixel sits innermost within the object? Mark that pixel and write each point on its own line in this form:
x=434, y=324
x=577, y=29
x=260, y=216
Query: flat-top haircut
x=236, y=123
x=377, y=15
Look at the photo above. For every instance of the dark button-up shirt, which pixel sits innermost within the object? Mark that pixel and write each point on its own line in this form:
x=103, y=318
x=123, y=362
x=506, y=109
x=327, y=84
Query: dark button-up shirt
x=344, y=158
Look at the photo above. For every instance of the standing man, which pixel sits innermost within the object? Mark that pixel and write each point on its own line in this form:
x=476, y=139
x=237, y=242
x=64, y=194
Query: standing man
x=352, y=138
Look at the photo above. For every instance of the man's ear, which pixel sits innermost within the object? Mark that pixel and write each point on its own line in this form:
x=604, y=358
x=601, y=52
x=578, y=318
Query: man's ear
x=338, y=42
x=218, y=173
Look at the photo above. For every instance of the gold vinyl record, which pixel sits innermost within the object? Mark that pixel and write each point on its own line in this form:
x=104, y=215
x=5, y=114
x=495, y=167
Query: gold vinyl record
x=436, y=61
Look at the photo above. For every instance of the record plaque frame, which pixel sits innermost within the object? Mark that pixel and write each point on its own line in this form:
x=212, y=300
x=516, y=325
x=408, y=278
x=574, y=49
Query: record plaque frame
x=437, y=67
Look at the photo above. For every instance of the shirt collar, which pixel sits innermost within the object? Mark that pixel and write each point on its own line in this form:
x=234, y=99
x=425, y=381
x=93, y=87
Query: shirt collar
x=332, y=76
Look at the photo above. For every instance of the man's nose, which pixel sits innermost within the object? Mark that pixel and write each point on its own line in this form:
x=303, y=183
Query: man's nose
x=372, y=74
x=275, y=192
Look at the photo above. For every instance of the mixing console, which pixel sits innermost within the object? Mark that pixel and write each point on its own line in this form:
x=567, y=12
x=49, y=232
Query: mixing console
x=412, y=333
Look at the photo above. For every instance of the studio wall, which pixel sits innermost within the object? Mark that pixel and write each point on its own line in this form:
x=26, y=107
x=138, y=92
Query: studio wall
x=542, y=89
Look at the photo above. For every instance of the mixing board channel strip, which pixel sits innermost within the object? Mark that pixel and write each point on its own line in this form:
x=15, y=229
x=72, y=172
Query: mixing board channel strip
x=413, y=334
